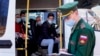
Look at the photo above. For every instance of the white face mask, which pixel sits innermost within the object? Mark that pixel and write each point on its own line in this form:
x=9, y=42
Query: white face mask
x=23, y=18
x=18, y=20
x=39, y=23
x=50, y=22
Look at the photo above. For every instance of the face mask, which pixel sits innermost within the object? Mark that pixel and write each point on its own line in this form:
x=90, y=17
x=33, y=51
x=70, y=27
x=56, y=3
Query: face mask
x=18, y=20
x=70, y=23
x=24, y=18
x=50, y=22
x=39, y=23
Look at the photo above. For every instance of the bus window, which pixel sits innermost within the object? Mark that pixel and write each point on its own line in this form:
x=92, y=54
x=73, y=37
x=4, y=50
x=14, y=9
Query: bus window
x=42, y=13
x=4, y=4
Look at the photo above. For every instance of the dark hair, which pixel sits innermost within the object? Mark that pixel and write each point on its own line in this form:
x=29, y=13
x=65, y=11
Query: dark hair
x=17, y=14
x=50, y=14
x=22, y=12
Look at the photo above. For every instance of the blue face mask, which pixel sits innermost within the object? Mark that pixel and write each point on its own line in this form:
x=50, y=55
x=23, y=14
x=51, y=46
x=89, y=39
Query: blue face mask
x=70, y=23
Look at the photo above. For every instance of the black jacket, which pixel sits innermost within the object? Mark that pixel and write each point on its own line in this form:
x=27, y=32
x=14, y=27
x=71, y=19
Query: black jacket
x=38, y=31
x=48, y=31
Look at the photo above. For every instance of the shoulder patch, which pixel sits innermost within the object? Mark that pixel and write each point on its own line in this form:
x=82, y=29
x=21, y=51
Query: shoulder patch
x=83, y=39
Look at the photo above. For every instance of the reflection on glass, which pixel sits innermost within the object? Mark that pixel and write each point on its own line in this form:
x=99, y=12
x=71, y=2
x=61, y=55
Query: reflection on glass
x=4, y=4
x=96, y=23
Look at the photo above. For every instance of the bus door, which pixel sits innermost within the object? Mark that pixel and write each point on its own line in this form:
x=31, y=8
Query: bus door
x=7, y=28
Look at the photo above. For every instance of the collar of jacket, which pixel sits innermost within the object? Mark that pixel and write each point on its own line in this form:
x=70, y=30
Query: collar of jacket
x=77, y=26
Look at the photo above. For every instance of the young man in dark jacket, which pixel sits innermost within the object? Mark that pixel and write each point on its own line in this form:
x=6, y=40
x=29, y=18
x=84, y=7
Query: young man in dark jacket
x=48, y=34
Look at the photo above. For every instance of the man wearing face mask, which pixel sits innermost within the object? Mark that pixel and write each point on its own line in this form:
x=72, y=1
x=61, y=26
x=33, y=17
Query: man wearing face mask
x=38, y=27
x=38, y=20
x=18, y=26
x=82, y=38
x=23, y=20
x=48, y=36
x=19, y=34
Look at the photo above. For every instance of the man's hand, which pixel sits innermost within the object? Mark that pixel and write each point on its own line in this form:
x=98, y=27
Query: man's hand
x=63, y=50
x=57, y=39
x=23, y=36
